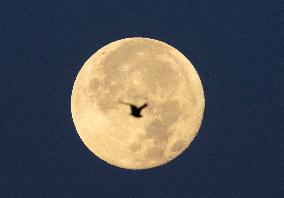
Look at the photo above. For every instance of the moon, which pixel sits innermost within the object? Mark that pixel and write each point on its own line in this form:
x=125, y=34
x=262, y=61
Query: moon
x=137, y=71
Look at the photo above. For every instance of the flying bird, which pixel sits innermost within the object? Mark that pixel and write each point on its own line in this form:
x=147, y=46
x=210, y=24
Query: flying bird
x=135, y=111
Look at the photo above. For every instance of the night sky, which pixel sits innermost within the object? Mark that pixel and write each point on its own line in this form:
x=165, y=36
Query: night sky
x=235, y=46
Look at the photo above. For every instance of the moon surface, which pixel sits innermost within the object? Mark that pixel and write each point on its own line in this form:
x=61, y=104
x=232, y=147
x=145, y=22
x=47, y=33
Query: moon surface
x=137, y=71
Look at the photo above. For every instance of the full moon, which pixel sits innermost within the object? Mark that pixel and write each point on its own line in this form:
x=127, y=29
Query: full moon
x=137, y=103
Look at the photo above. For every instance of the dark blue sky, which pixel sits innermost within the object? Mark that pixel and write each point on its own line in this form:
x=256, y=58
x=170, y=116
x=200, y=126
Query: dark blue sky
x=236, y=49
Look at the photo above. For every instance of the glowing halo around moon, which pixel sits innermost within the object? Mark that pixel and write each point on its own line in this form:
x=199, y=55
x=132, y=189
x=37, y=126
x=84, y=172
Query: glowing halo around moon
x=137, y=71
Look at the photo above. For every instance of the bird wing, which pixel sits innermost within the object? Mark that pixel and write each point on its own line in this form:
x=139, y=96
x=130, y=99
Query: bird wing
x=143, y=106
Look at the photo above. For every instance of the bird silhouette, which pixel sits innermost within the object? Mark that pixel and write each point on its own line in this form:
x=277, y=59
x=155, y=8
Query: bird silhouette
x=135, y=111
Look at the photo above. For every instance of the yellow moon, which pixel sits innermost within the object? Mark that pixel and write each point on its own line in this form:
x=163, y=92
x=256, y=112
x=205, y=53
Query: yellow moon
x=137, y=71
